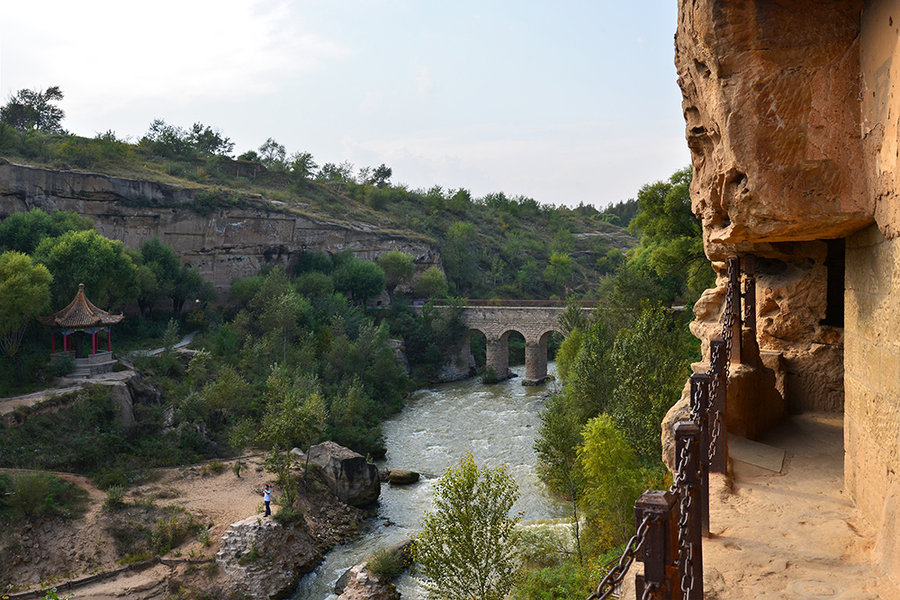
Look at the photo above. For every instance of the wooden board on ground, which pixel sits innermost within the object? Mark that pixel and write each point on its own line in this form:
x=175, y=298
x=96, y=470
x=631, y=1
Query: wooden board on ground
x=754, y=453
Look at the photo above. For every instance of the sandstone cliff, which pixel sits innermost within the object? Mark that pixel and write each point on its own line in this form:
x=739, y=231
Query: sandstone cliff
x=791, y=112
x=221, y=242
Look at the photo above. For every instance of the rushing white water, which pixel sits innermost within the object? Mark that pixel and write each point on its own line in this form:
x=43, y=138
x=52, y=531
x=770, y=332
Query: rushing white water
x=496, y=424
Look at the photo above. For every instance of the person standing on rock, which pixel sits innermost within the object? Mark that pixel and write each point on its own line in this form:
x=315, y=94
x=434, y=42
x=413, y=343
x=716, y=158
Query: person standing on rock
x=267, y=497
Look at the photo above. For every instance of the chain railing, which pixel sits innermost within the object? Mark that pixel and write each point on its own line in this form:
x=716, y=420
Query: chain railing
x=672, y=523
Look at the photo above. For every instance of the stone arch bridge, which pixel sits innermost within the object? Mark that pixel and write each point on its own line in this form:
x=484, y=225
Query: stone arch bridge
x=535, y=323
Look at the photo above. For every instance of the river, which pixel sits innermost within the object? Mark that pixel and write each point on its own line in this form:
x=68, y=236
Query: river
x=497, y=424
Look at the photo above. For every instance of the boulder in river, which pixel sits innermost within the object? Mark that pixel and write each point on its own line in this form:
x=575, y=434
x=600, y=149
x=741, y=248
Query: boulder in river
x=402, y=477
x=352, y=479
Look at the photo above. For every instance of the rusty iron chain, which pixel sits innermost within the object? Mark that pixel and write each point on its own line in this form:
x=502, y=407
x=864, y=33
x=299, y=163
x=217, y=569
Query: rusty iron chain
x=615, y=576
x=685, y=548
x=714, y=358
x=728, y=317
x=649, y=588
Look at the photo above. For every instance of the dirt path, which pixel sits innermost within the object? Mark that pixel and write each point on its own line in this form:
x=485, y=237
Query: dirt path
x=58, y=551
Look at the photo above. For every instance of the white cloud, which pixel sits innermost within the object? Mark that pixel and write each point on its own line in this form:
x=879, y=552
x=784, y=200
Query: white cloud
x=108, y=54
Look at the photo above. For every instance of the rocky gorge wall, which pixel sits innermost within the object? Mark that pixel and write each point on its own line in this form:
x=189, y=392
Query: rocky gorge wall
x=792, y=113
x=220, y=242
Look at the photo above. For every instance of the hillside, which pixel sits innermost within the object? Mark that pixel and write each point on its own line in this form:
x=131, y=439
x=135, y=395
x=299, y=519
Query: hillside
x=229, y=217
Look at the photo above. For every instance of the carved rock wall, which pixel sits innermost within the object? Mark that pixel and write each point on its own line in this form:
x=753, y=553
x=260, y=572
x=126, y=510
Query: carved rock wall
x=792, y=119
x=221, y=243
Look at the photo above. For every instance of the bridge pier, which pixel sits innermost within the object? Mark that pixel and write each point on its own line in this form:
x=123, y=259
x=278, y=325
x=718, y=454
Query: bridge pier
x=497, y=356
x=536, y=362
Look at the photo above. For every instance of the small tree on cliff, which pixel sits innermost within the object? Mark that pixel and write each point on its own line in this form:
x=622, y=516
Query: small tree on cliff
x=30, y=109
x=467, y=547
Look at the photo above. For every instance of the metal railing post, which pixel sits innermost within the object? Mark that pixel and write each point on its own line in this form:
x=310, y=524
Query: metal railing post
x=734, y=302
x=718, y=403
x=699, y=407
x=659, y=552
x=687, y=441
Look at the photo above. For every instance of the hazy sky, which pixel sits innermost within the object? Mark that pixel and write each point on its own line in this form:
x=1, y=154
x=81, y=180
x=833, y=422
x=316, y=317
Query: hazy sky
x=565, y=102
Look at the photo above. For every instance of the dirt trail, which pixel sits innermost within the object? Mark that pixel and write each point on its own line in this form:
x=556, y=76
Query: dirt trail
x=59, y=551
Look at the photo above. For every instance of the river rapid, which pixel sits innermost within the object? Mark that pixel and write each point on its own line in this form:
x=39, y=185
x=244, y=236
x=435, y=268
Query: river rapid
x=497, y=424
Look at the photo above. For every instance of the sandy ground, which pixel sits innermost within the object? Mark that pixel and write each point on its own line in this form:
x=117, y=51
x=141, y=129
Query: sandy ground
x=793, y=535
x=64, y=550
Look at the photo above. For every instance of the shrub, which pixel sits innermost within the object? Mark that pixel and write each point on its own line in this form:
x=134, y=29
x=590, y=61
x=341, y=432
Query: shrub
x=36, y=495
x=388, y=563
x=115, y=497
x=288, y=515
x=216, y=466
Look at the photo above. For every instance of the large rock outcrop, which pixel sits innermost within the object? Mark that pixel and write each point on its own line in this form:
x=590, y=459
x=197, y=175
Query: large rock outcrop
x=262, y=559
x=221, y=242
x=791, y=112
x=352, y=479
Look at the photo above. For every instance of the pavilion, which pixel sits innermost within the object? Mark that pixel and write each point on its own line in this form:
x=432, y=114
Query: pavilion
x=81, y=315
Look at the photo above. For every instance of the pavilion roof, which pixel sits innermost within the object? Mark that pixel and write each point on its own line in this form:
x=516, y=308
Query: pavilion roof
x=80, y=313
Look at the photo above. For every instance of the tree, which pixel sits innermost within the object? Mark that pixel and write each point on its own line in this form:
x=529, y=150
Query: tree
x=398, y=268
x=671, y=237
x=559, y=271
x=168, y=141
x=557, y=451
x=295, y=413
x=651, y=359
x=467, y=546
x=381, y=176
x=272, y=154
x=359, y=279
x=208, y=141
x=189, y=285
x=303, y=165
x=23, y=231
x=612, y=482
x=101, y=264
x=460, y=261
x=432, y=284
x=24, y=294
x=31, y=109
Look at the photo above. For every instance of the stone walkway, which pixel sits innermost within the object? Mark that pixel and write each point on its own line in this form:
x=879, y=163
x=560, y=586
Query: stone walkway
x=796, y=534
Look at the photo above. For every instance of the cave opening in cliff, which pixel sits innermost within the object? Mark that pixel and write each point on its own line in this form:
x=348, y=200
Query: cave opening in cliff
x=834, y=300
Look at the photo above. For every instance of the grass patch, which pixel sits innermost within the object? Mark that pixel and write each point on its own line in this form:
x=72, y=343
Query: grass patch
x=388, y=563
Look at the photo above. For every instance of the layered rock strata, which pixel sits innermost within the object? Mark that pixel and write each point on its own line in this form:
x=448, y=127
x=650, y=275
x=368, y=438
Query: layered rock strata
x=221, y=242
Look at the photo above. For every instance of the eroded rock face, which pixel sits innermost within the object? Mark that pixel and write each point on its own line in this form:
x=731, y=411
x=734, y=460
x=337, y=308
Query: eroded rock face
x=350, y=477
x=791, y=111
x=221, y=243
x=262, y=559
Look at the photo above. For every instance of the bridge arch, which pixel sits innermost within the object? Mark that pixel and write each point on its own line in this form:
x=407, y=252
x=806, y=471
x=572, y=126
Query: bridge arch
x=535, y=324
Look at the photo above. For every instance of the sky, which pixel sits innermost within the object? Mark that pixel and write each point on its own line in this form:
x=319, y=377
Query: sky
x=566, y=102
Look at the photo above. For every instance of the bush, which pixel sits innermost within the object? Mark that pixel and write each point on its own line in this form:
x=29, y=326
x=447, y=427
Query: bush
x=115, y=497
x=388, y=563
x=170, y=532
x=34, y=495
x=288, y=515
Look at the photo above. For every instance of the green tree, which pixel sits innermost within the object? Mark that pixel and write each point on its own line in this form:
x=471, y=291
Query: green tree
x=168, y=141
x=651, y=360
x=303, y=165
x=398, y=268
x=359, y=279
x=295, y=413
x=432, y=284
x=24, y=294
x=612, y=482
x=671, y=237
x=559, y=271
x=208, y=141
x=467, y=546
x=272, y=154
x=557, y=451
x=23, y=231
x=460, y=260
x=34, y=109
x=101, y=264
